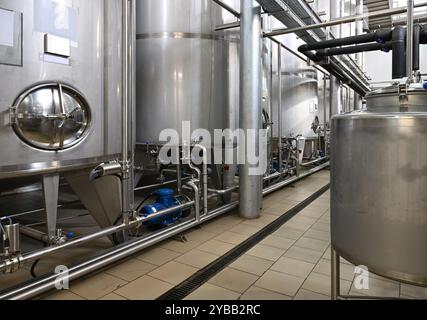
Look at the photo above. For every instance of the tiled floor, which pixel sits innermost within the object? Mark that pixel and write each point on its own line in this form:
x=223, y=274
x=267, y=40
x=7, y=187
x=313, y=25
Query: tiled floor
x=292, y=263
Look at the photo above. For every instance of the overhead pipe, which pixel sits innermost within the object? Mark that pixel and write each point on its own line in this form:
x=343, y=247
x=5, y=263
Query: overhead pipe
x=355, y=49
x=335, y=21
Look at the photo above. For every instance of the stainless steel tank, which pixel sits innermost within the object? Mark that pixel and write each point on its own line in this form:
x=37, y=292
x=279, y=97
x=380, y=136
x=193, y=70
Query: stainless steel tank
x=59, y=85
x=186, y=71
x=60, y=90
x=379, y=183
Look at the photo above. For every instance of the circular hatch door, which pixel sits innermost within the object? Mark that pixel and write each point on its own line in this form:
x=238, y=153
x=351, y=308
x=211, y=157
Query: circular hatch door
x=51, y=116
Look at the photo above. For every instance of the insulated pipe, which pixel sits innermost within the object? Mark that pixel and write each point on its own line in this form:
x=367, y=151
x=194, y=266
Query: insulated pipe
x=355, y=49
x=250, y=105
x=377, y=36
x=416, y=55
x=399, y=53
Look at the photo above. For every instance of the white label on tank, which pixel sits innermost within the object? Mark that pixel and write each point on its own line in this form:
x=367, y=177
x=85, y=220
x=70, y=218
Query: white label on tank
x=6, y=27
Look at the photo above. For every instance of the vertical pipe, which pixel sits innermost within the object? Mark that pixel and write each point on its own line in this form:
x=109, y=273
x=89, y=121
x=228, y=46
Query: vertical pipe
x=132, y=94
x=410, y=42
x=335, y=275
x=126, y=181
x=280, y=120
x=325, y=120
x=250, y=104
x=335, y=90
x=359, y=56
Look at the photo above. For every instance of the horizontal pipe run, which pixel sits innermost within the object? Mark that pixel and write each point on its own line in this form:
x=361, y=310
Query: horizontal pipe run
x=377, y=36
x=345, y=20
x=307, y=164
x=159, y=185
x=227, y=8
x=38, y=287
x=228, y=26
x=34, y=234
x=32, y=256
x=286, y=183
x=355, y=49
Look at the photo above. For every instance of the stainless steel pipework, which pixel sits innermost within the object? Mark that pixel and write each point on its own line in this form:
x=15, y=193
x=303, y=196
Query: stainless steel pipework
x=205, y=177
x=410, y=43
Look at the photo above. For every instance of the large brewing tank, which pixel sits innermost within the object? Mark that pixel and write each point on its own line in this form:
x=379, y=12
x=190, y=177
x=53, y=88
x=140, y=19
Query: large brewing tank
x=60, y=86
x=379, y=183
x=186, y=71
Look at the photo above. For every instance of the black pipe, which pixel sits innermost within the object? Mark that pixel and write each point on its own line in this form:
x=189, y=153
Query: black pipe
x=399, y=53
x=355, y=49
x=423, y=35
x=417, y=35
x=381, y=36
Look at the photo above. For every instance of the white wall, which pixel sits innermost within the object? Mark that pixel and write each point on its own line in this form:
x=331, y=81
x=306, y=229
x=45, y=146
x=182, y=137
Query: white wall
x=378, y=65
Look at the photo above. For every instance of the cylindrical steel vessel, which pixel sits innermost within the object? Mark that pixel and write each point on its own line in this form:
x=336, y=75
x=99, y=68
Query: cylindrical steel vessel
x=186, y=71
x=60, y=84
x=379, y=180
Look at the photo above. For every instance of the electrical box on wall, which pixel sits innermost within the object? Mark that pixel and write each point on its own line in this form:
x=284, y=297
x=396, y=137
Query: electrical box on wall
x=10, y=37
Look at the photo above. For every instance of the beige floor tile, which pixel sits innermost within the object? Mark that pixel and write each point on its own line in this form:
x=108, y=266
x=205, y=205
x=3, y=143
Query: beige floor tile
x=131, y=269
x=413, y=291
x=278, y=242
x=173, y=272
x=211, y=292
x=266, y=252
x=321, y=283
x=113, y=297
x=319, y=235
x=304, y=220
x=309, y=295
x=251, y=264
x=346, y=270
x=179, y=246
x=97, y=286
x=158, y=256
x=232, y=237
x=245, y=229
x=260, y=294
x=234, y=280
x=216, y=247
x=321, y=226
x=304, y=254
x=289, y=233
x=298, y=196
x=199, y=235
x=293, y=267
x=144, y=288
x=262, y=222
x=313, y=244
x=379, y=288
x=279, y=282
x=298, y=226
x=196, y=258
x=64, y=295
x=312, y=213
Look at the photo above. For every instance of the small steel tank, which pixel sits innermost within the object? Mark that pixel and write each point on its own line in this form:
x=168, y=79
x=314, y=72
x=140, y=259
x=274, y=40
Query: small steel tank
x=379, y=183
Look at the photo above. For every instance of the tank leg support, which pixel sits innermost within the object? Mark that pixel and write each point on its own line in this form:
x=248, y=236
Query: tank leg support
x=51, y=193
x=335, y=275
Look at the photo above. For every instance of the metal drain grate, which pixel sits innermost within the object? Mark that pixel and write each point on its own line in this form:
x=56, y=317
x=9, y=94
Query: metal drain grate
x=201, y=277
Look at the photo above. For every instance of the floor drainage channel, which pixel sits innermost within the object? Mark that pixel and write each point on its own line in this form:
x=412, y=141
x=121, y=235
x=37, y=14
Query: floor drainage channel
x=204, y=275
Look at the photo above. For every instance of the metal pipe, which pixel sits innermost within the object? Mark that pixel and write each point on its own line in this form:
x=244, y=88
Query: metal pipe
x=32, y=256
x=335, y=275
x=250, y=105
x=228, y=8
x=64, y=205
x=410, y=42
x=35, y=234
x=205, y=176
x=307, y=164
x=345, y=20
x=280, y=121
x=195, y=188
x=290, y=181
x=359, y=56
x=125, y=161
x=38, y=287
x=224, y=192
x=158, y=185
